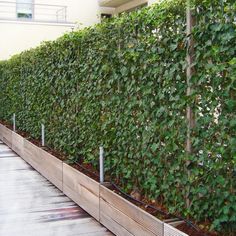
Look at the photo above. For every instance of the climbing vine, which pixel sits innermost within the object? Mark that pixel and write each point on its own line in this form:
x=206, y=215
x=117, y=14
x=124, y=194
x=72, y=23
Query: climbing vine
x=122, y=84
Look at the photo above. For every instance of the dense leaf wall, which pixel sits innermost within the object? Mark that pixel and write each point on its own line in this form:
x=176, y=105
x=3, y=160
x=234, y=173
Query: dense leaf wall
x=122, y=84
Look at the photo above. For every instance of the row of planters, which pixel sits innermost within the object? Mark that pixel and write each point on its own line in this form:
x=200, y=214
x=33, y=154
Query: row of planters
x=122, y=85
x=113, y=211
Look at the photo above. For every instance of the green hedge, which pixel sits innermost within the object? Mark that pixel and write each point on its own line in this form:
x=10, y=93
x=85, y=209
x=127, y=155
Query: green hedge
x=122, y=84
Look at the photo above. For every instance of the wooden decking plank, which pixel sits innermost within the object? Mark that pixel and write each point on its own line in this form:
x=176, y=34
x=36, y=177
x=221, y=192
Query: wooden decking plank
x=31, y=205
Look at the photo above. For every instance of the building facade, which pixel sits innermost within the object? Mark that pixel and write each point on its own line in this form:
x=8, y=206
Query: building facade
x=27, y=23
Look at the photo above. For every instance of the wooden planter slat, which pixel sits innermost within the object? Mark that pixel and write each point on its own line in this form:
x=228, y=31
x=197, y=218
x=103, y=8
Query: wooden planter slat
x=148, y=223
x=32, y=155
x=121, y=220
x=113, y=226
x=6, y=135
x=17, y=143
x=171, y=231
x=46, y=164
x=81, y=189
x=1, y=132
x=51, y=168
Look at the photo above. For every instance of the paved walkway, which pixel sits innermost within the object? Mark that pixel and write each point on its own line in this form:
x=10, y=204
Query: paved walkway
x=31, y=206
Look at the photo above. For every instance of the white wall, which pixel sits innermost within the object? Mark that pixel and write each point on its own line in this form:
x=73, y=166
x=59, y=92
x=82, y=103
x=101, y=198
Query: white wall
x=85, y=12
x=18, y=36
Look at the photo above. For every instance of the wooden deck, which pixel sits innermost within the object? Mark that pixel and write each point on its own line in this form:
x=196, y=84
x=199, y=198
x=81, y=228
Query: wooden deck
x=31, y=206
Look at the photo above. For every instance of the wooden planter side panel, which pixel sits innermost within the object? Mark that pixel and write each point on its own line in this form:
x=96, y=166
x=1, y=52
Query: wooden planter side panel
x=6, y=135
x=17, y=144
x=51, y=168
x=82, y=190
x=46, y=164
x=32, y=155
x=171, y=231
x=112, y=225
x=120, y=220
x=133, y=219
x=1, y=132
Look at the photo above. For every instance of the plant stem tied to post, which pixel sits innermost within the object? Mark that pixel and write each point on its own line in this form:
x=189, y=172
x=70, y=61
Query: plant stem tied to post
x=189, y=73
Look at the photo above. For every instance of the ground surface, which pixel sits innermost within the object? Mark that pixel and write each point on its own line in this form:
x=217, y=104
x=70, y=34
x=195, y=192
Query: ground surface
x=30, y=205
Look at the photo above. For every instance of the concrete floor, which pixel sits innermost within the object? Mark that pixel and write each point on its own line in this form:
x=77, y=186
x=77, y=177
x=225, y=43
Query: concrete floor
x=31, y=206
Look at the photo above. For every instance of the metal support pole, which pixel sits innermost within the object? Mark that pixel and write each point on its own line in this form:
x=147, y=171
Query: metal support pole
x=101, y=164
x=43, y=134
x=14, y=122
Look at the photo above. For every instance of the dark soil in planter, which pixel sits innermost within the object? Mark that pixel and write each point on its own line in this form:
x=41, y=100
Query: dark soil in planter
x=9, y=126
x=87, y=169
x=53, y=152
x=23, y=134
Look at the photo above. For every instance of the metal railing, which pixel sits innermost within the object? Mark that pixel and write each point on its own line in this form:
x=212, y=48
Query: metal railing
x=32, y=12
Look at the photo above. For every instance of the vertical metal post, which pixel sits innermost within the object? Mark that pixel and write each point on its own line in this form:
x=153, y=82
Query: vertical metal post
x=43, y=134
x=189, y=73
x=14, y=122
x=101, y=164
x=65, y=13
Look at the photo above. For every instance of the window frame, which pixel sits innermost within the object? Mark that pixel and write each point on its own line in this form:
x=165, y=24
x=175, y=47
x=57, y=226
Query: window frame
x=22, y=13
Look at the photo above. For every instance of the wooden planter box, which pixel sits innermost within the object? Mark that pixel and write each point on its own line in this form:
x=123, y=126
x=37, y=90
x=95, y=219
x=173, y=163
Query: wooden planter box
x=114, y=212
x=17, y=144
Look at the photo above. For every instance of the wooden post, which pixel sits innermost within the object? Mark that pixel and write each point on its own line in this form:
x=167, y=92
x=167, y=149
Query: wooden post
x=190, y=72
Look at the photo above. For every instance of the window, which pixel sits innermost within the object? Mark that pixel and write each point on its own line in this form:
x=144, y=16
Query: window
x=24, y=9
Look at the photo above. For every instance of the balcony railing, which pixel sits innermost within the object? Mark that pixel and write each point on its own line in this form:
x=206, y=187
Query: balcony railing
x=32, y=12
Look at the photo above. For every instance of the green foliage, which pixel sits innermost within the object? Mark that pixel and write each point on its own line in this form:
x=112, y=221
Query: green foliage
x=122, y=84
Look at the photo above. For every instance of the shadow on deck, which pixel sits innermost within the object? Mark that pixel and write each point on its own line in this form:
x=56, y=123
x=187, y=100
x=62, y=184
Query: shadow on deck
x=31, y=205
